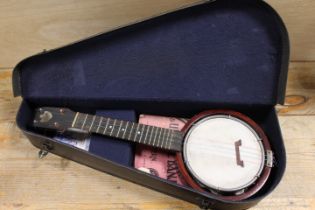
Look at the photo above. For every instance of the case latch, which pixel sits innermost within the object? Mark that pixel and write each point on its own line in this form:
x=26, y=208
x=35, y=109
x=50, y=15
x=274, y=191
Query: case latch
x=42, y=153
x=269, y=158
x=47, y=146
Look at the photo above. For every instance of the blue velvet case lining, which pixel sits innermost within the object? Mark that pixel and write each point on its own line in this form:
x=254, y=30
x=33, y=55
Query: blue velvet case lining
x=121, y=152
x=226, y=52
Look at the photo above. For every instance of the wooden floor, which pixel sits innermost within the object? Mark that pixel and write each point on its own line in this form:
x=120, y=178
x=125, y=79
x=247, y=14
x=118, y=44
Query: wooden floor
x=27, y=182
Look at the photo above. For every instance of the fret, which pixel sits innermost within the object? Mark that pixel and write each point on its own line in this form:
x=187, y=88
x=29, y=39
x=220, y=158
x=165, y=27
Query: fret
x=151, y=135
x=78, y=120
x=156, y=129
x=87, y=122
x=107, y=121
x=99, y=124
x=119, y=128
x=125, y=129
x=63, y=119
x=92, y=123
x=166, y=134
x=163, y=137
x=169, y=138
x=146, y=134
x=135, y=137
x=84, y=121
x=141, y=132
x=75, y=119
x=159, y=138
x=131, y=131
x=112, y=127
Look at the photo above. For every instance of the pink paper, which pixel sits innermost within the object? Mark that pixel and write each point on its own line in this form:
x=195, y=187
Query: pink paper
x=155, y=161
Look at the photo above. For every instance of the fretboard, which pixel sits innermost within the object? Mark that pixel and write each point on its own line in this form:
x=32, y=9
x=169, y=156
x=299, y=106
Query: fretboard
x=143, y=134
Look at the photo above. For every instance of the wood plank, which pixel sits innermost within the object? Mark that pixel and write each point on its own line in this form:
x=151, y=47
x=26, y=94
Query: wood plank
x=300, y=20
x=300, y=99
x=28, y=27
x=8, y=104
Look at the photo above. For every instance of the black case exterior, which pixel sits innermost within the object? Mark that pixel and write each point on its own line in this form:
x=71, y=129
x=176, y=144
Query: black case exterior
x=201, y=199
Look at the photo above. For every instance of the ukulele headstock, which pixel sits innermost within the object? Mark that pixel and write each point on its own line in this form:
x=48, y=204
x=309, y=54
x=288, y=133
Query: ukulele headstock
x=59, y=119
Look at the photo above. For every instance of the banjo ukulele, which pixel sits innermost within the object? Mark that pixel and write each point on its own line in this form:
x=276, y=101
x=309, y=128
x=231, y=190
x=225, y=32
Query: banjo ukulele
x=221, y=152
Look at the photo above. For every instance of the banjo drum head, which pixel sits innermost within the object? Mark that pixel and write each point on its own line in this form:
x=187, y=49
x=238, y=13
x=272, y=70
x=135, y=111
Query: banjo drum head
x=223, y=153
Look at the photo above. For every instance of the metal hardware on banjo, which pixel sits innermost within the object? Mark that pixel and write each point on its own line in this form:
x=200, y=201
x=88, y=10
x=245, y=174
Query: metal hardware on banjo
x=222, y=152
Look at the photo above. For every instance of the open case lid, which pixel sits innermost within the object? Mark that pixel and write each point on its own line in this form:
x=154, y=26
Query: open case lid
x=223, y=52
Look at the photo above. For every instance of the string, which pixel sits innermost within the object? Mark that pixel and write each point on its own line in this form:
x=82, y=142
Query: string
x=223, y=148
x=218, y=151
x=154, y=133
x=249, y=150
x=167, y=140
x=215, y=150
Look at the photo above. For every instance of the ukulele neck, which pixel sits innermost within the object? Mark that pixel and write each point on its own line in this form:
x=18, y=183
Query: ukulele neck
x=166, y=139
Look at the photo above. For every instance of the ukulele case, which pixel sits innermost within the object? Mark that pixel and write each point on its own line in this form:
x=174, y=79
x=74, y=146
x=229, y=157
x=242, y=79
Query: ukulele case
x=224, y=54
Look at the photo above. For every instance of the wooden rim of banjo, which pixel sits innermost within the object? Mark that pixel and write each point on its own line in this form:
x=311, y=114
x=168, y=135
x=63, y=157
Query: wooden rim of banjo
x=250, y=190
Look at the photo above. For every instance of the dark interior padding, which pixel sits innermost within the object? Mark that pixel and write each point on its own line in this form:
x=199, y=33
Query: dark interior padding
x=223, y=52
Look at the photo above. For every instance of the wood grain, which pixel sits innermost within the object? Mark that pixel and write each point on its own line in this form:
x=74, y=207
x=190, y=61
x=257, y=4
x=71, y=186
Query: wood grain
x=299, y=18
x=27, y=182
x=300, y=99
x=29, y=26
